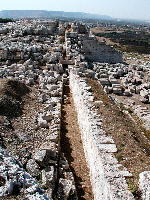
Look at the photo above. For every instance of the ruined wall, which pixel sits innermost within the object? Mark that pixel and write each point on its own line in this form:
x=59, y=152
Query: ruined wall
x=96, y=51
x=108, y=182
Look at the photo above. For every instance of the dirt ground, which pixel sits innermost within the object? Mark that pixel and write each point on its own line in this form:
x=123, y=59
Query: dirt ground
x=108, y=42
x=71, y=145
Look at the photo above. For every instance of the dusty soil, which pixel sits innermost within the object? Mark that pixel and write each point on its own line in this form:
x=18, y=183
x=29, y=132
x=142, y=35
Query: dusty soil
x=108, y=41
x=20, y=132
x=127, y=136
x=71, y=145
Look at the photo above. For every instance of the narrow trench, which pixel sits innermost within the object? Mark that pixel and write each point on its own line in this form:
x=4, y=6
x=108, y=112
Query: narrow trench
x=71, y=146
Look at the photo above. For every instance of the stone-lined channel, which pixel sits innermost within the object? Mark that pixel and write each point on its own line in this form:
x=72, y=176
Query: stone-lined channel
x=71, y=145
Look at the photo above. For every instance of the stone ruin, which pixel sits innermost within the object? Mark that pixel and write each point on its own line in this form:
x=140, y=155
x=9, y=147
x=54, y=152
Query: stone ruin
x=33, y=44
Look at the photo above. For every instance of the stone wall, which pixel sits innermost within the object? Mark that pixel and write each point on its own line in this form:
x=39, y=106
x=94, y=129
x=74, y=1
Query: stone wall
x=108, y=182
x=96, y=51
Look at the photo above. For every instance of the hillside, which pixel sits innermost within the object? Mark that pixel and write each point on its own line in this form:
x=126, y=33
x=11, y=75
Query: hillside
x=15, y=14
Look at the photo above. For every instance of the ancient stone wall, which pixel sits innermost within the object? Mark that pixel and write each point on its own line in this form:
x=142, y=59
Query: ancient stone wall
x=96, y=51
x=108, y=182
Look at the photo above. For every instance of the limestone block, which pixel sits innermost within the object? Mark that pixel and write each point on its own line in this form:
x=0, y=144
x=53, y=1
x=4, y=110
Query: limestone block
x=43, y=97
x=144, y=93
x=53, y=137
x=103, y=75
x=108, y=89
x=48, y=107
x=144, y=184
x=102, y=139
x=113, y=172
x=55, y=93
x=60, y=68
x=138, y=89
x=65, y=188
x=139, y=68
x=113, y=81
x=30, y=67
x=144, y=100
x=32, y=167
x=50, y=148
x=117, y=90
x=48, y=176
x=47, y=116
x=107, y=148
x=41, y=158
x=90, y=74
x=30, y=81
x=63, y=162
x=51, y=87
x=91, y=98
x=58, y=77
x=51, y=80
x=131, y=89
x=120, y=72
x=116, y=86
x=109, y=158
x=127, y=92
x=104, y=82
x=43, y=86
x=42, y=123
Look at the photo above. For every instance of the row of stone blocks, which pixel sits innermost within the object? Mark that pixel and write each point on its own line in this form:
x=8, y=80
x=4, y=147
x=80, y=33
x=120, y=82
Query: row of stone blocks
x=108, y=181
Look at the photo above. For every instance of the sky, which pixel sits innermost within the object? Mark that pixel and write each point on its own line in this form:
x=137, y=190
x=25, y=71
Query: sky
x=131, y=9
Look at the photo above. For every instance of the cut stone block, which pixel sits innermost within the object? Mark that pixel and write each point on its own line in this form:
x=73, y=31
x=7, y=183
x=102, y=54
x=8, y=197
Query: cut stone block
x=107, y=147
x=144, y=184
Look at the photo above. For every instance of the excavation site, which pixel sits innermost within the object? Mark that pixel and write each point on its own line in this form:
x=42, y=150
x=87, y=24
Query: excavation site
x=74, y=115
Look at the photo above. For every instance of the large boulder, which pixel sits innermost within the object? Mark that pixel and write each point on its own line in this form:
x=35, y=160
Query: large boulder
x=33, y=168
x=144, y=184
x=47, y=152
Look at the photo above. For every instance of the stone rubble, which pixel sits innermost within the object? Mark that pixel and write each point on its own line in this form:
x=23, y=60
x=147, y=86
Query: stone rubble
x=144, y=181
x=14, y=176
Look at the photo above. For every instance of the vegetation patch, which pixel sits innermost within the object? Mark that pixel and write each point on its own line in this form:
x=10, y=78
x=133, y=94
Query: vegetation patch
x=130, y=41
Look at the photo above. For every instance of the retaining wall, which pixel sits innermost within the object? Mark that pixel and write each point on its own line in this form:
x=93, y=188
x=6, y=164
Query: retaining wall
x=108, y=182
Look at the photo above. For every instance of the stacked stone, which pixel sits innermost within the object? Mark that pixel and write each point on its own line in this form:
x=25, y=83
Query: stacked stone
x=108, y=182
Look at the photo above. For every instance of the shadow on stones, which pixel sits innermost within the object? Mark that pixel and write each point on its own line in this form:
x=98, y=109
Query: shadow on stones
x=11, y=104
x=67, y=150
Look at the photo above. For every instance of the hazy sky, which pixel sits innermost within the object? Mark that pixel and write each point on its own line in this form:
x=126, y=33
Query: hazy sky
x=133, y=9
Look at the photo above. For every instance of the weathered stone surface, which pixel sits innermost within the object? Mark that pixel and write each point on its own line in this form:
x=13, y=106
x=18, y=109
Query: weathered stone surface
x=32, y=168
x=14, y=175
x=41, y=158
x=50, y=148
x=43, y=123
x=46, y=152
x=65, y=189
x=144, y=184
x=48, y=177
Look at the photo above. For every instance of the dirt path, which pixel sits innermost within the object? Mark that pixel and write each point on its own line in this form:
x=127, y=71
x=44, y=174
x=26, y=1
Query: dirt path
x=71, y=145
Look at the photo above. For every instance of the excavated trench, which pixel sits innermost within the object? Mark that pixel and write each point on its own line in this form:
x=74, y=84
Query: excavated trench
x=71, y=146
